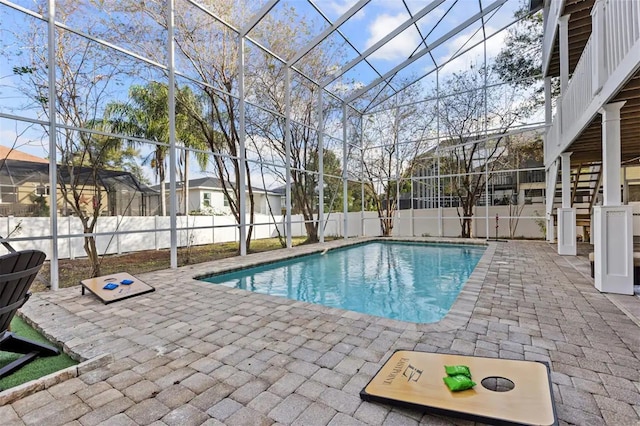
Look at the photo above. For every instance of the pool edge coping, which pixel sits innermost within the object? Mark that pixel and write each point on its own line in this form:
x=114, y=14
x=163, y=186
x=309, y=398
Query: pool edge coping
x=458, y=315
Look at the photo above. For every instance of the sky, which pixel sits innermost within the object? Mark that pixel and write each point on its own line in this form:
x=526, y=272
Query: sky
x=379, y=17
x=373, y=22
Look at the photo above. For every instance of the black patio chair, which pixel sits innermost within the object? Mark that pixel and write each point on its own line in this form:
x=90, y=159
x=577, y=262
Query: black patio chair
x=17, y=272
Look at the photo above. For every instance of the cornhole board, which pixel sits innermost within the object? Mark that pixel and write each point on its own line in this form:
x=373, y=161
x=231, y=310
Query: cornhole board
x=123, y=291
x=414, y=379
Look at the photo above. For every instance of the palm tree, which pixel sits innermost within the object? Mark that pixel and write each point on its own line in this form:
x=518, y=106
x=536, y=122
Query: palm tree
x=146, y=116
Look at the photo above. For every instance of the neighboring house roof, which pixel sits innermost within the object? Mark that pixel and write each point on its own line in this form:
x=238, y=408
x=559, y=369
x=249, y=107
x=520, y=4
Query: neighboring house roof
x=15, y=172
x=282, y=190
x=211, y=183
x=205, y=182
x=7, y=153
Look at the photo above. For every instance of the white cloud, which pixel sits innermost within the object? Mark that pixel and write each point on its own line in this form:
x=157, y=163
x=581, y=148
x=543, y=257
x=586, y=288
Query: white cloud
x=401, y=46
x=396, y=5
x=475, y=55
x=340, y=7
x=342, y=87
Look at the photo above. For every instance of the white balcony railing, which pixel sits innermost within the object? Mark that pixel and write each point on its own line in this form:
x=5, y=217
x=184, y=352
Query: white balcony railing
x=578, y=95
x=622, y=30
x=616, y=33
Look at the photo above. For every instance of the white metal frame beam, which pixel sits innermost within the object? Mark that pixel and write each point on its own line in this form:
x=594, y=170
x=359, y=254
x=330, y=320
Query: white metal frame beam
x=242, y=134
x=383, y=41
x=369, y=109
x=173, y=220
x=258, y=16
x=324, y=34
x=320, y=167
x=53, y=146
x=423, y=52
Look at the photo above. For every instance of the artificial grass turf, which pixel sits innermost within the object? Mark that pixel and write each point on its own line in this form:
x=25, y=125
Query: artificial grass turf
x=37, y=368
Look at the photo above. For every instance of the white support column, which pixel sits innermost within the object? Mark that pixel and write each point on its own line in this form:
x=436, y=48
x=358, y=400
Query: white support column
x=320, y=167
x=557, y=136
x=411, y=212
x=611, y=157
x=548, y=118
x=345, y=182
x=361, y=136
x=625, y=186
x=598, y=46
x=287, y=141
x=563, y=27
x=53, y=147
x=242, y=186
x=566, y=215
x=613, y=227
x=566, y=179
x=548, y=107
x=552, y=171
x=362, y=226
x=486, y=141
x=440, y=225
x=551, y=178
x=397, y=220
x=173, y=201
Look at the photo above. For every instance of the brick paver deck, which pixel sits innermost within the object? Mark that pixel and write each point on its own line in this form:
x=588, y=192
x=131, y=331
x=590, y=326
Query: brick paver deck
x=194, y=353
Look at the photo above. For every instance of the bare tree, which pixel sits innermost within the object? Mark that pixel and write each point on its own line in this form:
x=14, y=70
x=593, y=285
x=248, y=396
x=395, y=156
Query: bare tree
x=85, y=75
x=392, y=140
x=208, y=52
x=474, y=122
x=267, y=84
x=525, y=150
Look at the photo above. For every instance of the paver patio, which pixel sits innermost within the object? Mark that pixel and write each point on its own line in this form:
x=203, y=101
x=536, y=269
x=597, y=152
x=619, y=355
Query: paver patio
x=195, y=353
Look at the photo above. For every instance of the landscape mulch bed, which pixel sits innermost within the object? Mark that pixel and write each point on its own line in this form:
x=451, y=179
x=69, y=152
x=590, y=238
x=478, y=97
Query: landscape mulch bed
x=71, y=271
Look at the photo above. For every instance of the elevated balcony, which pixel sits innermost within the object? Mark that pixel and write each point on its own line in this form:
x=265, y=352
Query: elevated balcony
x=579, y=28
x=552, y=13
x=607, y=71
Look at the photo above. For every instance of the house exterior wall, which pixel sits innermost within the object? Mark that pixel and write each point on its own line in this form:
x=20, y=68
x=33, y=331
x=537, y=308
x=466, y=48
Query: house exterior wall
x=218, y=200
x=195, y=199
x=633, y=172
x=632, y=181
x=217, y=197
x=264, y=201
x=18, y=200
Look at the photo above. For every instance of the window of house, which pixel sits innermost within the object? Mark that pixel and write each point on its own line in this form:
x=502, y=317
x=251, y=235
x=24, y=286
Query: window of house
x=42, y=190
x=8, y=194
x=206, y=199
x=225, y=200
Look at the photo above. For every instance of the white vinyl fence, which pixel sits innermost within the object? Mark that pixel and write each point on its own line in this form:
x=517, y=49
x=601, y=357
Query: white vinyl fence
x=122, y=234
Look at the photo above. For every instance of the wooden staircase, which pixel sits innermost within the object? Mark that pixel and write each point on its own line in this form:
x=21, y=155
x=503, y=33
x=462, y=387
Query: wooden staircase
x=586, y=188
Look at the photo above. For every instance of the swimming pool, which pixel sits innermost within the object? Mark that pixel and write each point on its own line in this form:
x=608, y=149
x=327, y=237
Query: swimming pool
x=407, y=281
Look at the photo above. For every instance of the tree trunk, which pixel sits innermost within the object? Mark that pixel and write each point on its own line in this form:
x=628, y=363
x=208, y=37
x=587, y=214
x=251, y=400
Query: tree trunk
x=466, y=227
x=312, y=232
x=387, y=226
x=251, y=220
x=163, y=198
x=310, y=225
x=92, y=253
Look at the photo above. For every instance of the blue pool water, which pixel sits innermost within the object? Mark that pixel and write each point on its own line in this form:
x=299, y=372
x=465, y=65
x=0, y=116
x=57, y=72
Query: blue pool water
x=406, y=281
